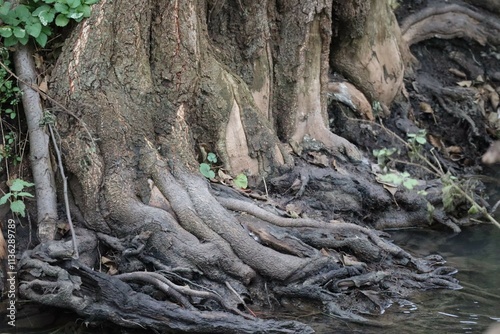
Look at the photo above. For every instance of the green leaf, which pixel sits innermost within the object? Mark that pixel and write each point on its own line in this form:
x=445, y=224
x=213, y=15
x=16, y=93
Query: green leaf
x=61, y=8
x=86, y=10
x=211, y=157
x=42, y=8
x=91, y=2
x=34, y=29
x=77, y=16
x=24, y=40
x=241, y=181
x=19, y=32
x=391, y=178
x=42, y=39
x=73, y=3
x=207, y=171
x=473, y=210
x=24, y=194
x=10, y=41
x=20, y=184
x=61, y=20
x=5, y=31
x=47, y=17
x=18, y=207
x=5, y=8
x=5, y=198
x=22, y=12
x=421, y=140
x=410, y=183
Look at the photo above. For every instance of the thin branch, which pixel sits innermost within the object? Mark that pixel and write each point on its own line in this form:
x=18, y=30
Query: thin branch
x=51, y=99
x=65, y=192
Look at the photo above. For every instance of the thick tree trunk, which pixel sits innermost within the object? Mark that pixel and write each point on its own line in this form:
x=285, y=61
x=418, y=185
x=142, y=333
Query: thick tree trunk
x=155, y=81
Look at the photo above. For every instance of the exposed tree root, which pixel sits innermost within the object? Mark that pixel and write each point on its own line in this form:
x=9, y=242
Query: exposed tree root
x=103, y=297
x=450, y=21
x=300, y=257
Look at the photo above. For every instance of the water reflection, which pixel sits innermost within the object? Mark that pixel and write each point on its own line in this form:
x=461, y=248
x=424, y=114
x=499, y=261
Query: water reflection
x=476, y=254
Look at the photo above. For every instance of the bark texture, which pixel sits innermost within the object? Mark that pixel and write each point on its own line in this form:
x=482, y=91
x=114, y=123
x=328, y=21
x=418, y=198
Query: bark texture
x=161, y=82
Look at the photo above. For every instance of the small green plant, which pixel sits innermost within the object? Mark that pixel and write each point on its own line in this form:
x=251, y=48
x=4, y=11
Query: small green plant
x=416, y=142
x=454, y=192
x=10, y=94
x=16, y=196
x=35, y=17
x=383, y=156
x=8, y=148
x=398, y=178
x=208, y=169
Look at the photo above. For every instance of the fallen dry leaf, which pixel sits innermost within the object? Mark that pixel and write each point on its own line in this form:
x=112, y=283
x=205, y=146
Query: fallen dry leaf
x=465, y=83
x=454, y=149
x=426, y=108
x=458, y=73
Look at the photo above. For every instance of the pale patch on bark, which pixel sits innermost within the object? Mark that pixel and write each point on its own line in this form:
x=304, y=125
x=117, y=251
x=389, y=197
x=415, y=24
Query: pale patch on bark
x=385, y=70
x=261, y=88
x=310, y=121
x=348, y=94
x=236, y=145
x=374, y=62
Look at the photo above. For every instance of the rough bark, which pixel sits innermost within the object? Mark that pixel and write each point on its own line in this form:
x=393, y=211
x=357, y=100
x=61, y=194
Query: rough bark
x=158, y=82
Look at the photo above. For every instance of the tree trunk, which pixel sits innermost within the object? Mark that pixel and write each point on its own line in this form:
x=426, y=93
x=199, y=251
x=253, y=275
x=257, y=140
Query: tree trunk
x=161, y=82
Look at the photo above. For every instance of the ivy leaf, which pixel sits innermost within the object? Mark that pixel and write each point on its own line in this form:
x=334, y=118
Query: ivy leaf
x=22, y=12
x=10, y=41
x=5, y=8
x=42, y=8
x=77, y=16
x=207, y=171
x=34, y=29
x=61, y=20
x=211, y=157
x=18, y=207
x=241, y=181
x=5, y=198
x=24, y=40
x=47, y=17
x=91, y=2
x=41, y=39
x=85, y=10
x=61, y=8
x=73, y=3
x=5, y=32
x=19, y=32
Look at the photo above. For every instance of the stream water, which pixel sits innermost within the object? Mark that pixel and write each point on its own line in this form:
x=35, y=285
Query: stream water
x=475, y=253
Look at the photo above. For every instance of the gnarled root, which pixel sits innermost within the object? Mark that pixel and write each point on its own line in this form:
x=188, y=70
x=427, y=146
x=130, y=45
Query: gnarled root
x=450, y=21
